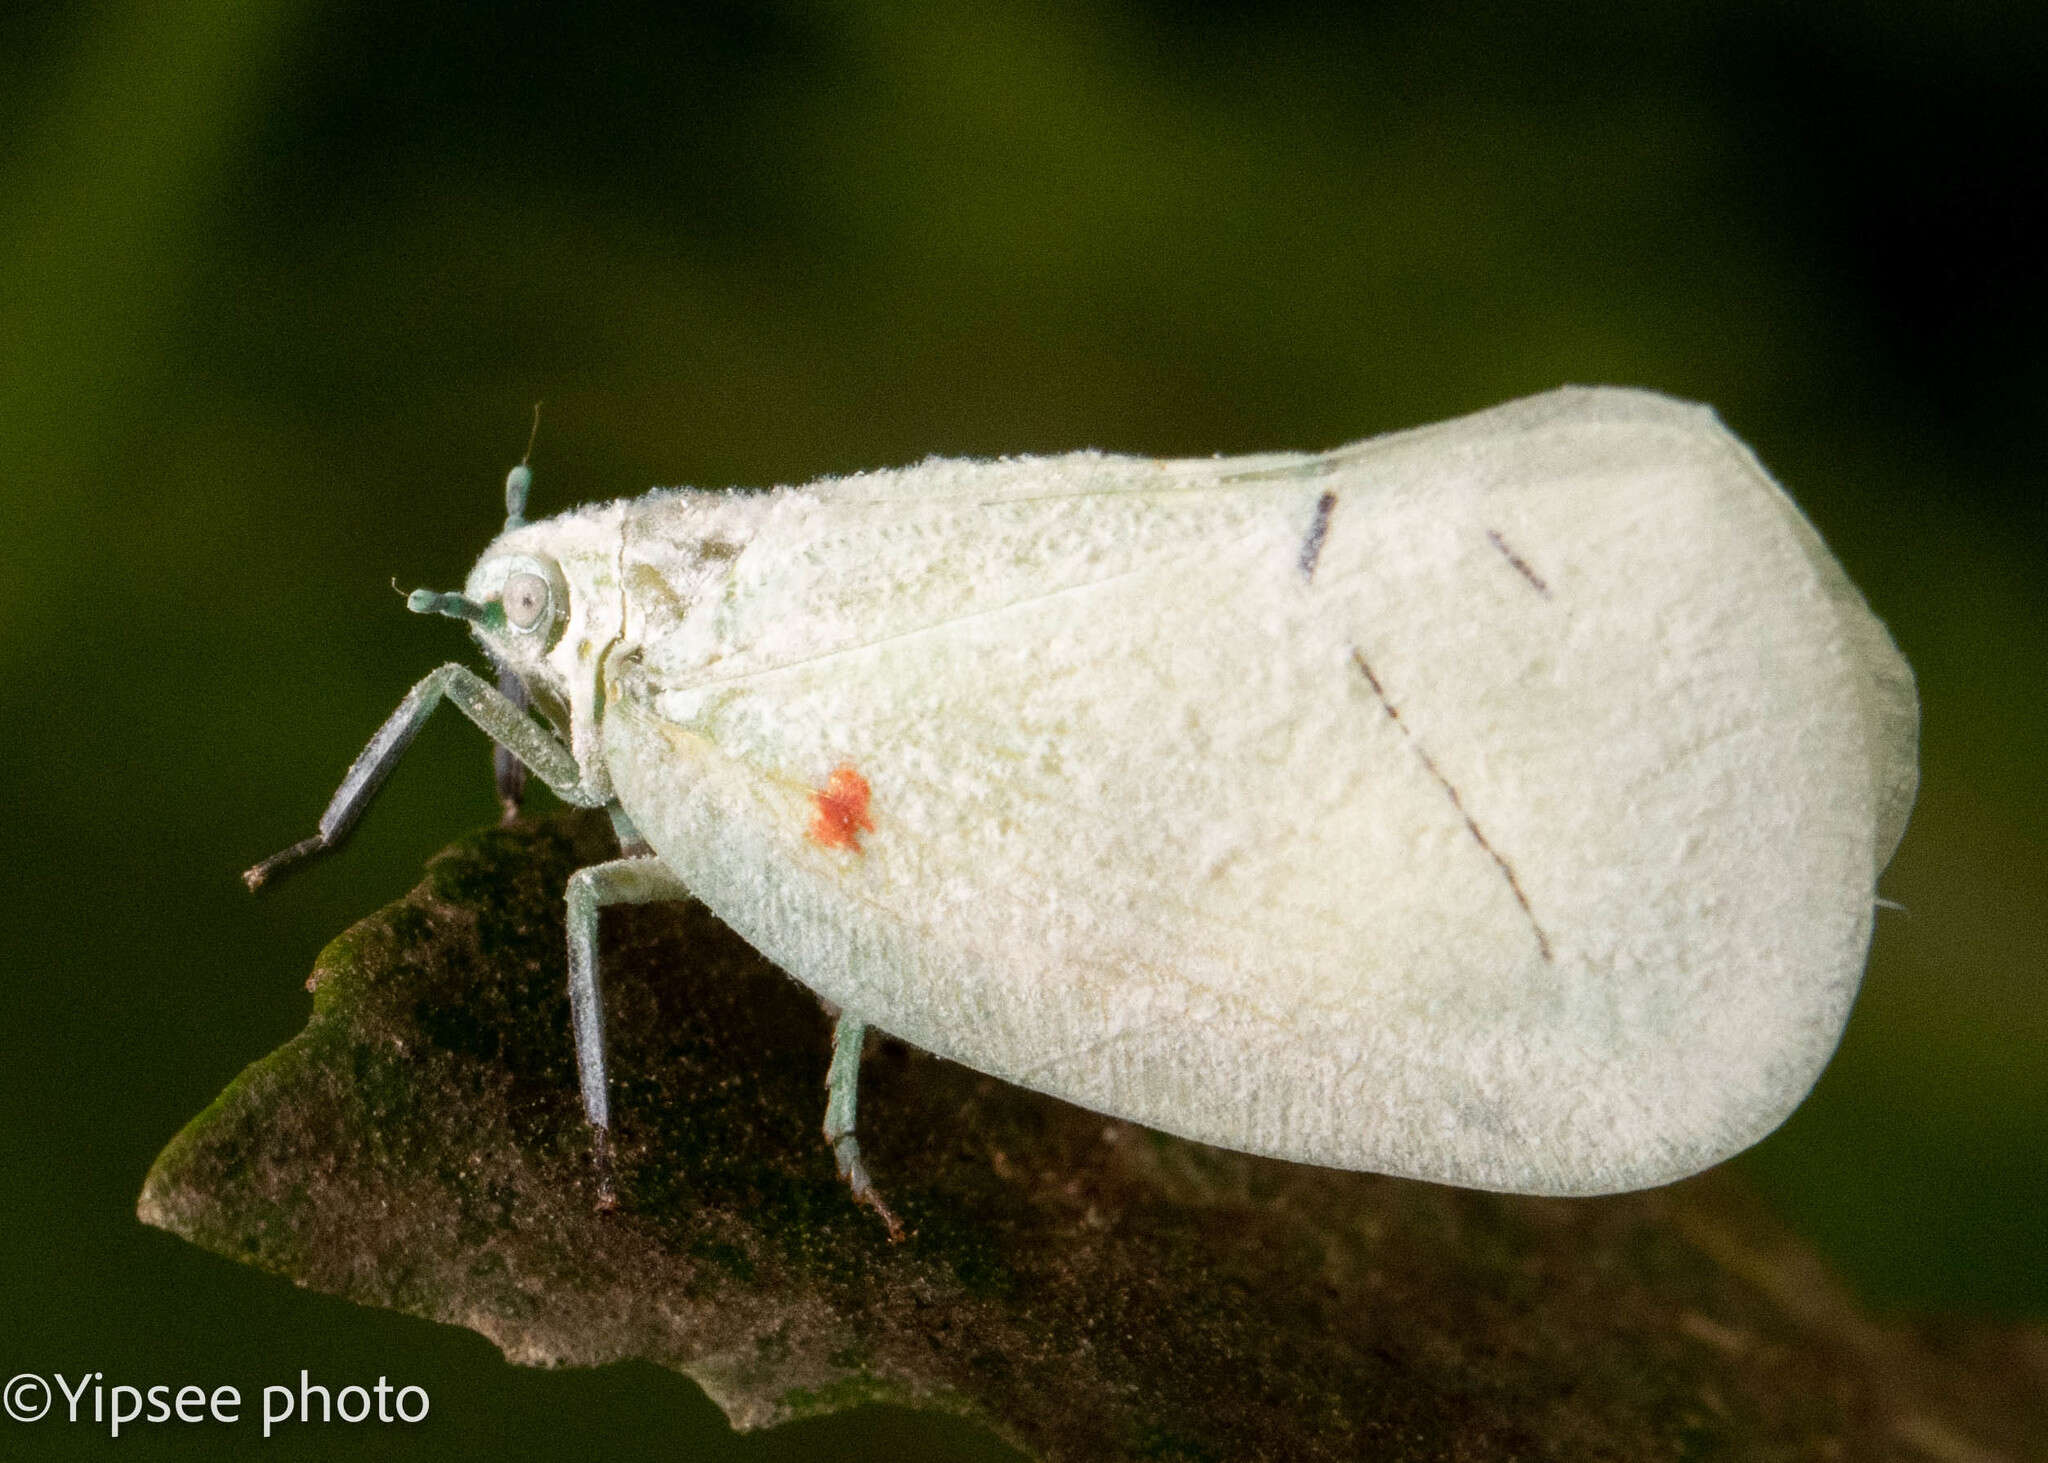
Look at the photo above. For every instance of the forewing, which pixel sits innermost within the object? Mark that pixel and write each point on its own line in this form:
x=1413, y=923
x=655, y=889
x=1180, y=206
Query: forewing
x=1495, y=803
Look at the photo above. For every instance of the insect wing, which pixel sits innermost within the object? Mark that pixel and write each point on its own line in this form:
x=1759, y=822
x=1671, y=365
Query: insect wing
x=1497, y=803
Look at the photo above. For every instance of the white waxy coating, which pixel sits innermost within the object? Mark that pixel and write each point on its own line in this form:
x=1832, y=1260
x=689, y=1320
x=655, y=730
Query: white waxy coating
x=1499, y=803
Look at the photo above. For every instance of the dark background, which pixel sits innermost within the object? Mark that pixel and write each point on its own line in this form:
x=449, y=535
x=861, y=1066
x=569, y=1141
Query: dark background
x=279, y=284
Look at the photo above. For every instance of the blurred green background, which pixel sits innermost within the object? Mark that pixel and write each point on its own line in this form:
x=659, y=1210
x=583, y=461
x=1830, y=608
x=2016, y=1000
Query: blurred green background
x=279, y=284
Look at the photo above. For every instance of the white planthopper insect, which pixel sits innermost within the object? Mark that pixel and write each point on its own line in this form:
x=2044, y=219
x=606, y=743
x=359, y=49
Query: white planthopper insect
x=1499, y=802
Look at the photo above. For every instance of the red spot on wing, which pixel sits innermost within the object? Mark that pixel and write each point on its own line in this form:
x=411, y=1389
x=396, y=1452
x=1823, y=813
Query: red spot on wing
x=842, y=810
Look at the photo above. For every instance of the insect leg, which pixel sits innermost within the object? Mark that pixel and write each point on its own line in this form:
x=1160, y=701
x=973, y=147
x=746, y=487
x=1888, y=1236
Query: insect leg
x=622, y=881
x=508, y=771
x=631, y=844
x=842, y=1085
x=505, y=724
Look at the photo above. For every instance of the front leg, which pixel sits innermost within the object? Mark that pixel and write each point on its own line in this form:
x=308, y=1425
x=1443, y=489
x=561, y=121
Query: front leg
x=507, y=771
x=502, y=721
x=622, y=881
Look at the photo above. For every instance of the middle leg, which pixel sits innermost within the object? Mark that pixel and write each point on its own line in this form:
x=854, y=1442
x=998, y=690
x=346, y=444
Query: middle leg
x=622, y=881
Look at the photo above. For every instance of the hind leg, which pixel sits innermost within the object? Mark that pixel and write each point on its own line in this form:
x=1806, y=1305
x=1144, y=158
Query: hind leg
x=842, y=1084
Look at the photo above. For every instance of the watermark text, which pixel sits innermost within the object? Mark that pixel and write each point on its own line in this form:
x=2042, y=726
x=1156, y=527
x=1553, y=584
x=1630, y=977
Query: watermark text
x=91, y=1399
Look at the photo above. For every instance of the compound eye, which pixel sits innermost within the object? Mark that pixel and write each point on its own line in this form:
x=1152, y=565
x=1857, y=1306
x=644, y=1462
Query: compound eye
x=525, y=599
